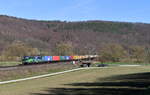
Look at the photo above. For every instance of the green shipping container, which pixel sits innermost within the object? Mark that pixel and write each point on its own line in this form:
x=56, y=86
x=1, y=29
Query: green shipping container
x=62, y=57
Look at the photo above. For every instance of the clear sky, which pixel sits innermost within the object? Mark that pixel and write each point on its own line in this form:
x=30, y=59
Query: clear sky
x=78, y=10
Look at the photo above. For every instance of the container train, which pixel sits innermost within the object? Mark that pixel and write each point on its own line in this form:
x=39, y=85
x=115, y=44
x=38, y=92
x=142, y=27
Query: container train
x=53, y=59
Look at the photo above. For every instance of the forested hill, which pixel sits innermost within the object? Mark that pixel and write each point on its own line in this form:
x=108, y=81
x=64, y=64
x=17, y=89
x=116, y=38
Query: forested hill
x=83, y=36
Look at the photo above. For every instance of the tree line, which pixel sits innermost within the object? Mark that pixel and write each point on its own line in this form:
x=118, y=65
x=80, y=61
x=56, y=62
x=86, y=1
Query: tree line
x=110, y=52
x=121, y=53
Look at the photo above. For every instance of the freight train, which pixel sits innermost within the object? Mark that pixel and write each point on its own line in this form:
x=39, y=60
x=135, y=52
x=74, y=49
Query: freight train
x=53, y=59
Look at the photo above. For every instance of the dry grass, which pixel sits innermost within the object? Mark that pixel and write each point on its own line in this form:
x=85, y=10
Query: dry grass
x=32, y=70
x=107, y=81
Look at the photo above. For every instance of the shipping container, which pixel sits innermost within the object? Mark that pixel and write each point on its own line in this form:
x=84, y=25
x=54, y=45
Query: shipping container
x=67, y=58
x=75, y=57
x=86, y=56
x=56, y=58
x=62, y=58
x=79, y=57
x=47, y=58
x=71, y=57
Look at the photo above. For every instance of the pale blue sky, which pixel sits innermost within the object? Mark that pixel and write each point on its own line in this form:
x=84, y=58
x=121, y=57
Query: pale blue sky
x=78, y=10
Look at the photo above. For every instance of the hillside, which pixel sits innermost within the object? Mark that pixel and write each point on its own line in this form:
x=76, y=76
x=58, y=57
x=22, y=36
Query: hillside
x=84, y=36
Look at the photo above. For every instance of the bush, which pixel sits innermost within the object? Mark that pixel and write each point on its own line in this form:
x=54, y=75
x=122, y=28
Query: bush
x=147, y=54
x=137, y=54
x=112, y=52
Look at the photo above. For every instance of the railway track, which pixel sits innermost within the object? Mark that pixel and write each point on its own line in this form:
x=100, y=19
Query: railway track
x=2, y=68
x=10, y=67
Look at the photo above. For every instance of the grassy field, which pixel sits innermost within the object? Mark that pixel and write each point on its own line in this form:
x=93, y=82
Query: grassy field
x=33, y=70
x=9, y=63
x=100, y=81
x=122, y=63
